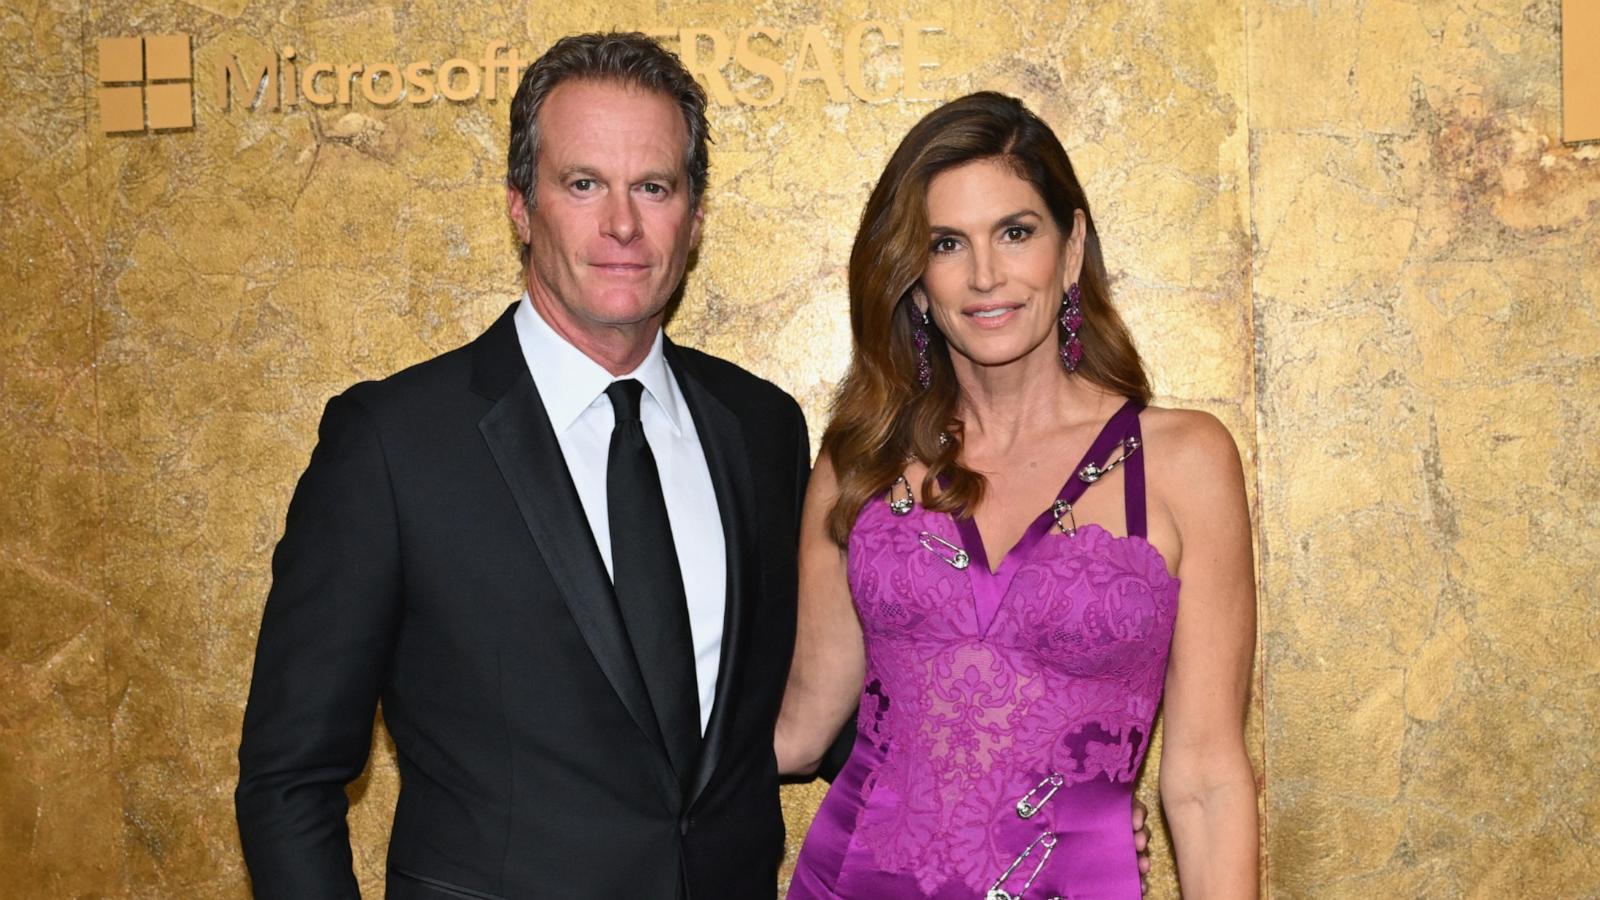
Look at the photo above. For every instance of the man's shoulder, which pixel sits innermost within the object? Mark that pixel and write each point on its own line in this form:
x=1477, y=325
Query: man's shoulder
x=479, y=368
x=441, y=379
x=741, y=389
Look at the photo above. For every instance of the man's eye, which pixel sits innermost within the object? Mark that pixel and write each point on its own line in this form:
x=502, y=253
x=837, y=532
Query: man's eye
x=583, y=184
x=651, y=187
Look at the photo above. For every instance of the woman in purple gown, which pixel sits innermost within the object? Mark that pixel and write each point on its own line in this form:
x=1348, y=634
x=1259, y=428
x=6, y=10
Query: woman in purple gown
x=995, y=538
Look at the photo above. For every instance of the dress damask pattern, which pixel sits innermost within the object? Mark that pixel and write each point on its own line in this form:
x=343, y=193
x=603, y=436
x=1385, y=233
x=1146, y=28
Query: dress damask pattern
x=1004, y=714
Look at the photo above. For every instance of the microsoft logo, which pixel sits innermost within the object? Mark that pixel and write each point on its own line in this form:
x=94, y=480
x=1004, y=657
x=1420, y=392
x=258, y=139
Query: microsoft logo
x=146, y=83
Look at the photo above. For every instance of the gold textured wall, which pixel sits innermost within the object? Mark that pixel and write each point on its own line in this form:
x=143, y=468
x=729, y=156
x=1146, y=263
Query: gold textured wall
x=1348, y=229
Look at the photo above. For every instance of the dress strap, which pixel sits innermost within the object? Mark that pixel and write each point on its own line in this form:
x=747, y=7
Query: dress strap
x=1133, y=483
x=1123, y=422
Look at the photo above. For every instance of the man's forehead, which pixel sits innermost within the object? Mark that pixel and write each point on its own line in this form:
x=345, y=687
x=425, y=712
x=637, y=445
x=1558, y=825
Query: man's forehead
x=618, y=117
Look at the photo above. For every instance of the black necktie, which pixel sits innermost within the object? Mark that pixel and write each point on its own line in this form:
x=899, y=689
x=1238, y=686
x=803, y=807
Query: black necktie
x=649, y=584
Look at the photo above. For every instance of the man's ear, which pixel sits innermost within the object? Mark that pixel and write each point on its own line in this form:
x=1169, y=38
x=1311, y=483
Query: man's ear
x=697, y=220
x=517, y=208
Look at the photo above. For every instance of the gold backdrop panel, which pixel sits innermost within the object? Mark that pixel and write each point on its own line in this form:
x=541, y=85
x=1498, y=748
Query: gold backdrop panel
x=1352, y=233
x=1425, y=287
x=60, y=810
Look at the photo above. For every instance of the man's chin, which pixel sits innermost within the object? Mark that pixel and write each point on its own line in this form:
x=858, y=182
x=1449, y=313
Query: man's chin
x=625, y=311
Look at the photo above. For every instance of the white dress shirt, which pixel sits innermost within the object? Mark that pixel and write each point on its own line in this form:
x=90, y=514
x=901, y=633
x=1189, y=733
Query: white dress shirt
x=572, y=387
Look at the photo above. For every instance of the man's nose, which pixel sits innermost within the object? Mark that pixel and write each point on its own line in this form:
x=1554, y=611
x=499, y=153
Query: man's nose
x=620, y=219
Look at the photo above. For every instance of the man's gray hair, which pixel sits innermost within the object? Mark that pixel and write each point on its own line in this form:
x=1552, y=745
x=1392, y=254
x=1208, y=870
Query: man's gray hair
x=628, y=58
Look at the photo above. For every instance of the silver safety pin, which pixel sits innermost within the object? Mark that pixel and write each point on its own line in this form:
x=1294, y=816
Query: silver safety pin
x=958, y=561
x=1026, y=808
x=996, y=892
x=1092, y=473
x=1063, y=508
x=901, y=506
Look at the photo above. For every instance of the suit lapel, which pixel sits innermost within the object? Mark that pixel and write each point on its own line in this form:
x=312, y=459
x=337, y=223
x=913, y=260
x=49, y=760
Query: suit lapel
x=524, y=446
x=727, y=458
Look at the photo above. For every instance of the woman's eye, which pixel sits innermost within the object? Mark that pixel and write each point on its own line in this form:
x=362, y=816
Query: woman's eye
x=945, y=245
x=1017, y=233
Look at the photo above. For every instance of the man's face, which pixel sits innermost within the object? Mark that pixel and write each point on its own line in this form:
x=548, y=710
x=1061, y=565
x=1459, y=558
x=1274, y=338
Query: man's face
x=612, y=221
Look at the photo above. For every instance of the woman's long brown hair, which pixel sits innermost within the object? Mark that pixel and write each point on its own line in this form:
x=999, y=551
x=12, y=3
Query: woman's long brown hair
x=881, y=416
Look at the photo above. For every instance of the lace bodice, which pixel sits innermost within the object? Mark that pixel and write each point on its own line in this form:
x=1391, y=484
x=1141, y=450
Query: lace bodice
x=1065, y=681
x=1004, y=714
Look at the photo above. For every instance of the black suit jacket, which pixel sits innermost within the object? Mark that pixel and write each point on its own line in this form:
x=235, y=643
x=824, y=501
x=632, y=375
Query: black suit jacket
x=436, y=556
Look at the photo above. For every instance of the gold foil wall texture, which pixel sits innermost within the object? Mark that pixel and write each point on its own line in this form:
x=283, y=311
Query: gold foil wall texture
x=1347, y=230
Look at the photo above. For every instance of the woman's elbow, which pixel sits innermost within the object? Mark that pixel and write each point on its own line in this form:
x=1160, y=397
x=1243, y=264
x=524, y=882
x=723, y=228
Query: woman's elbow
x=799, y=751
x=1191, y=780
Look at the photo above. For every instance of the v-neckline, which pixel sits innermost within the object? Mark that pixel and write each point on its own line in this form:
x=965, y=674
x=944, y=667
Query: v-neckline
x=990, y=586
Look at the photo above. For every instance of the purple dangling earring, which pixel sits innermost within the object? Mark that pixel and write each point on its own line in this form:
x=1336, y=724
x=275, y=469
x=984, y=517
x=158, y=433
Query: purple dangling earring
x=1071, y=321
x=919, y=340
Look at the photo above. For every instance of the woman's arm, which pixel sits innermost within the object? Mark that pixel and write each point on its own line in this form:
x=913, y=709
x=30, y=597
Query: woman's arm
x=829, y=657
x=1208, y=789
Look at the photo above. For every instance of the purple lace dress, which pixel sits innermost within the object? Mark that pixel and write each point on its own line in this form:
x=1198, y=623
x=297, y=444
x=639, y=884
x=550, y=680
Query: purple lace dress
x=1005, y=713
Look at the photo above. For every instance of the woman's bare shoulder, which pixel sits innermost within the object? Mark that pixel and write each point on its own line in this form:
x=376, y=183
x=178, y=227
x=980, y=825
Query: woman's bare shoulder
x=1190, y=451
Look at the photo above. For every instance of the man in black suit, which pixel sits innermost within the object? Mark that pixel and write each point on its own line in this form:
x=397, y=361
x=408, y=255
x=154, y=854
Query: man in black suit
x=563, y=557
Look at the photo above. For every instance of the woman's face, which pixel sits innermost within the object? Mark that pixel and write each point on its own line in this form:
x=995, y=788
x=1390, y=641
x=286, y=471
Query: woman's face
x=997, y=264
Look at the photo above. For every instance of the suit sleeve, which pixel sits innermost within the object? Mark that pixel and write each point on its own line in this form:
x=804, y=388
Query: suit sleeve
x=325, y=641
x=802, y=465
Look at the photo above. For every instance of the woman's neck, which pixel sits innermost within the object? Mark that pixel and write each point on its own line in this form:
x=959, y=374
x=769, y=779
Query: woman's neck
x=1003, y=406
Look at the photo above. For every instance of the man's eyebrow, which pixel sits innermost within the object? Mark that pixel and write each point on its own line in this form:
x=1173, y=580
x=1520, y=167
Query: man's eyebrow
x=664, y=176
x=578, y=171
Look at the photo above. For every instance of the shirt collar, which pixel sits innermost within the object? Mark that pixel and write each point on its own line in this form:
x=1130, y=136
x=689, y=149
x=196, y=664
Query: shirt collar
x=570, y=382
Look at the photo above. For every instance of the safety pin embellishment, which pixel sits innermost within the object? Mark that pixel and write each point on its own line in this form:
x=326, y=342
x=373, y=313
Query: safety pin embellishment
x=998, y=892
x=901, y=506
x=1026, y=808
x=1063, y=508
x=959, y=560
x=1091, y=473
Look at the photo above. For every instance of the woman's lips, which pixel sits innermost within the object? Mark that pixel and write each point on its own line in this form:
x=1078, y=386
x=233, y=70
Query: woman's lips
x=991, y=315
